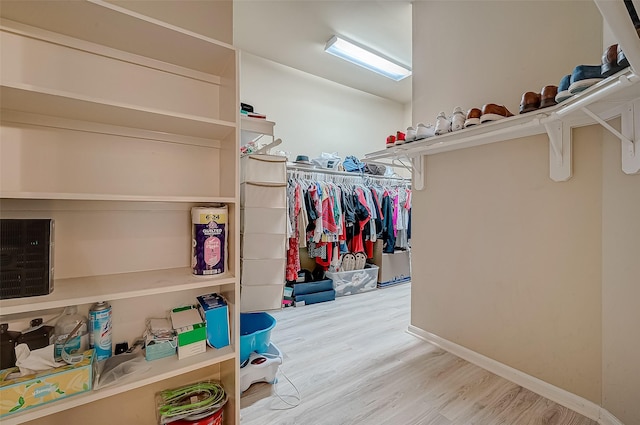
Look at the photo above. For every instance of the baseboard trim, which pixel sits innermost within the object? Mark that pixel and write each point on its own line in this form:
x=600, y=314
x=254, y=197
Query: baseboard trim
x=565, y=398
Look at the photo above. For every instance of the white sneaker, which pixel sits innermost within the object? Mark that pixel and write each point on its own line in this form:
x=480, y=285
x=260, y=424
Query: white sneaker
x=443, y=125
x=424, y=131
x=457, y=120
x=411, y=134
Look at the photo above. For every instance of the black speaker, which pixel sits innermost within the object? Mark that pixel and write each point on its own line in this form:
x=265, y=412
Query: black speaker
x=26, y=257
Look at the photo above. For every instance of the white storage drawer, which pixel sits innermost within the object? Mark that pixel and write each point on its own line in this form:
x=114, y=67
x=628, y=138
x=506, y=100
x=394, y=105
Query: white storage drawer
x=260, y=298
x=263, y=220
x=355, y=281
x=264, y=169
x=263, y=195
x=257, y=246
x=263, y=272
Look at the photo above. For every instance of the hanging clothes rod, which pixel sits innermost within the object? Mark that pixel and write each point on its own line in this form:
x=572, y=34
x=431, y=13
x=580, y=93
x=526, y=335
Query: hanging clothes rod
x=311, y=169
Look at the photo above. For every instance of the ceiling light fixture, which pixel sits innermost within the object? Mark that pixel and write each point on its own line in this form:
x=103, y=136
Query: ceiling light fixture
x=366, y=58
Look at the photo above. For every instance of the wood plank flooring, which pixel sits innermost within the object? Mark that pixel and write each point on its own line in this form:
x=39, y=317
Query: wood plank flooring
x=354, y=363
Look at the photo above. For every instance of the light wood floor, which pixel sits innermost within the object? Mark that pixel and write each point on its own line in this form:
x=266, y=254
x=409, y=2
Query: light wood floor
x=354, y=363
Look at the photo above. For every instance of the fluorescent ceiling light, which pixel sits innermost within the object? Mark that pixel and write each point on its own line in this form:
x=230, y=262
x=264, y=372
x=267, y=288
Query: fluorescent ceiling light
x=365, y=58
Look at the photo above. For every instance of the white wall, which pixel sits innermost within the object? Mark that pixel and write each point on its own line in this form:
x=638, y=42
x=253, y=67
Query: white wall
x=507, y=262
x=620, y=285
x=314, y=115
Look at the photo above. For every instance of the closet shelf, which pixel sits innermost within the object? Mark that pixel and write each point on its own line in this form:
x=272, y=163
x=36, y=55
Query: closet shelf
x=618, y=95
x=160, y=370
x=257, y=125
x=38, y=100
x=85, y=290
x=252, y=129
x=113, y=26
x=64, y=196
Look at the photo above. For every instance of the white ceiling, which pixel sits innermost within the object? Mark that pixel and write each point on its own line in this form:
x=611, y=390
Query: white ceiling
x=294, y=33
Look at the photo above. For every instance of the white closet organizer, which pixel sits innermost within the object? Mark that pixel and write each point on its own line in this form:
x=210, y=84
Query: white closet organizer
x=115, y=124
x=263, y=232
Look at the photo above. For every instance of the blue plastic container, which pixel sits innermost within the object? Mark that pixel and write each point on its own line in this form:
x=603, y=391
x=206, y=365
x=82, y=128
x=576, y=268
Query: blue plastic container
x=255, y=333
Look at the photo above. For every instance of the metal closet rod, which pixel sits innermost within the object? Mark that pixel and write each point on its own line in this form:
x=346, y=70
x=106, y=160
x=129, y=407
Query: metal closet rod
x=291, y=167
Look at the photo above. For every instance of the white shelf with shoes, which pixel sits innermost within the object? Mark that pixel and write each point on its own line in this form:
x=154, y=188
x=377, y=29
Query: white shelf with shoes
x=617, y=95
x=115, y=123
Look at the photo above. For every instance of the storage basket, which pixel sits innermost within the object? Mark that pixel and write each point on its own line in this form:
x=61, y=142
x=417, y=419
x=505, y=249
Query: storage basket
x=355, y=281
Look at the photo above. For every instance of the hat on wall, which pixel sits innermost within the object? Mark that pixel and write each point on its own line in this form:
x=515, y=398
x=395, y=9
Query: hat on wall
x=302, y=159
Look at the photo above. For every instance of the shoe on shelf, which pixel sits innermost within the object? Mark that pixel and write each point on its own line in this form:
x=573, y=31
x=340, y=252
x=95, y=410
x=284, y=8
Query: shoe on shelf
x=583, y=77
x=424, y=131
x=400, y=138
x=563, y=89
x=548, y=96
x=530, y=102
x=623, y=62
x=610, y=61
x=457, y=119
x=410, y=135
x=391, y=141
x=473, y=117
x=494, y=112
x=443, y=124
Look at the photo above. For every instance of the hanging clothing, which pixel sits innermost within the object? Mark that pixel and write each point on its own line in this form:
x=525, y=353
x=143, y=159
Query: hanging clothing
x=293, y=252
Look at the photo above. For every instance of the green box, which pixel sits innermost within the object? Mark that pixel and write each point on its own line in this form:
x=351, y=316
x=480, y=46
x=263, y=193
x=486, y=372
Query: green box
x=191, y=331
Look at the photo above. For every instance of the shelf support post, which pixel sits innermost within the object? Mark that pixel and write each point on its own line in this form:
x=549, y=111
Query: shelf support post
x=559, y=150
x=418, y=164
x=630, y=123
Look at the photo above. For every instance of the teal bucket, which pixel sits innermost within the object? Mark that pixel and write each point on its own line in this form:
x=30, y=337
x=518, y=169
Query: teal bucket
x=255, y=333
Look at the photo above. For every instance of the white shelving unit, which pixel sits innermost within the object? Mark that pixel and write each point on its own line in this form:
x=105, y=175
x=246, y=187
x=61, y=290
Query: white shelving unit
x=115, y=124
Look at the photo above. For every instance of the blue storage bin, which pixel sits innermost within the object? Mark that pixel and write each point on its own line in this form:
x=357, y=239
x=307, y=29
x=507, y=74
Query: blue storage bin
x=255, y=333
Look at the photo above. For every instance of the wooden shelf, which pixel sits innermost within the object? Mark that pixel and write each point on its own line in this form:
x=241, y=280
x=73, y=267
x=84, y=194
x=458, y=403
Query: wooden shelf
x=110, y=25
x=38, y=100
x=254, y=128
x=114, y=197
x=257, y=125
x=159, y=370
x=84, y=290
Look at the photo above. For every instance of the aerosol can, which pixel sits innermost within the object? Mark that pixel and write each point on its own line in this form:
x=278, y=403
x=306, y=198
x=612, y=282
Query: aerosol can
x=100, y=329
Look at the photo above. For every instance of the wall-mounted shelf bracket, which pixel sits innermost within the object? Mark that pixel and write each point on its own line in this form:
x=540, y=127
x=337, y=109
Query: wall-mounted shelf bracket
x=630, y=120
x=630, y=123
x=559, y=150
x=419, y=169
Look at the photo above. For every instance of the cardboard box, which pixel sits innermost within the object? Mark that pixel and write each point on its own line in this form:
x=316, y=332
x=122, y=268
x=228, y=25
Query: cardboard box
x=394, y=268
x=160, y=339
x=214, y=309
x=191, y=331
x=20, y=394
